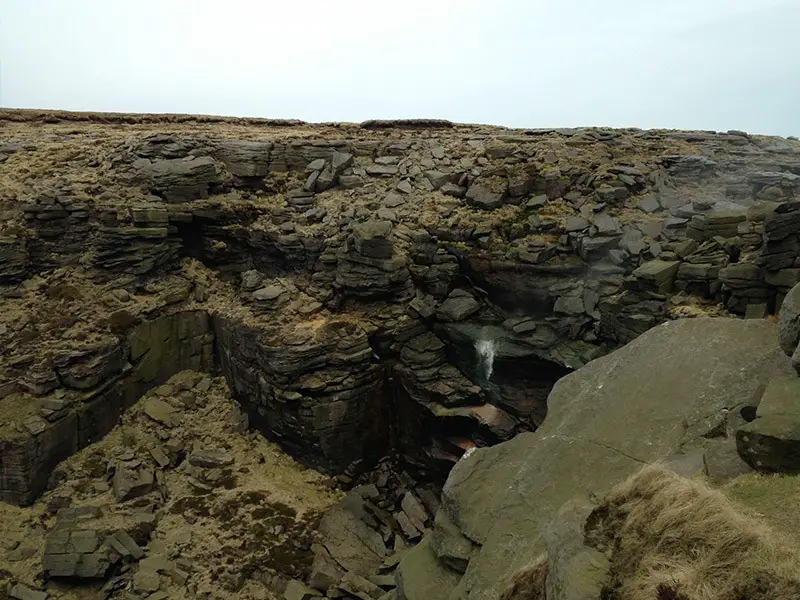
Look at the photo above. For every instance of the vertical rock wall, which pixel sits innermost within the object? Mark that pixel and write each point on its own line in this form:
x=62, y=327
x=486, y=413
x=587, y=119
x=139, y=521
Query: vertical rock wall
x=91, y=393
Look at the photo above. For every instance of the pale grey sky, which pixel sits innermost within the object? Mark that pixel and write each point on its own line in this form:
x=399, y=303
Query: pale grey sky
x=704, y=64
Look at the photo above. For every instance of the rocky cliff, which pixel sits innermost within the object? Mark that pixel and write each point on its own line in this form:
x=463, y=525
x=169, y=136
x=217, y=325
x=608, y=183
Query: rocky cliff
x=405, y=288
x=357, y=279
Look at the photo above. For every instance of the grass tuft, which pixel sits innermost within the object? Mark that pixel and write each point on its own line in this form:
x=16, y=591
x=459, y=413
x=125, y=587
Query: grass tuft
x=672, y=538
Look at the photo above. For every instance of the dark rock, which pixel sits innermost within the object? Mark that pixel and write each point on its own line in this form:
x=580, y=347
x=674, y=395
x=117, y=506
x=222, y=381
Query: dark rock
x=371, y=239
x=131, y=482
x=487, y=198
x=452, y=189
x=659, y=273
x=576, y=224
x=210, y=459
x=458, y=306
x=74, y=553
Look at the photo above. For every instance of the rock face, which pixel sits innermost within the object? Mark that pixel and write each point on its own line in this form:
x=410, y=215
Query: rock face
x=301, y=390
x=407, y=286
x=771, y=442
x=655, y=397
x=89, y=408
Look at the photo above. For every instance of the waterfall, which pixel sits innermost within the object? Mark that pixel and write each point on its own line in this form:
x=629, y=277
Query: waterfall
x=486, y=350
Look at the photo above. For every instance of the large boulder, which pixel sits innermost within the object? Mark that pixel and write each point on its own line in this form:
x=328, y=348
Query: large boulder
x=772, y=441
x=179, y=179
x=646, y=401
x=789, y=319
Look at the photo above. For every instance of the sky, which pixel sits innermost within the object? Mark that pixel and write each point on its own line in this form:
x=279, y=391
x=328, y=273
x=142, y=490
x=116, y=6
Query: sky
x=688, y=64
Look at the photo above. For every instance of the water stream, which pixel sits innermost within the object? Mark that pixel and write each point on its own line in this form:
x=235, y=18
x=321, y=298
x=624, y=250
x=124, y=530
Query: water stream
x=486, y=350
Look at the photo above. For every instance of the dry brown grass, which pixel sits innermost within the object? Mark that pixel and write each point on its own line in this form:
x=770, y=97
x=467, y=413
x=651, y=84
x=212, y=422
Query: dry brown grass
x=671, y=538
x=22, y=115
x=528, y=583
x=675, y=538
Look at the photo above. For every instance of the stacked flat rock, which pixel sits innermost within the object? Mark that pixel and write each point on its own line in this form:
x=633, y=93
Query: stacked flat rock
x=369, y=266
x=698, y=274
x=300, y=200
x=642, y=303
x=442, y=396
x=179, y=179
x=716, y=224
x=744, y=282
x=137, y=248
x=782, y=237
x=325, y=173
x=318, y=393
x=61, y=226
x=244, y=158
x=86, y=541
x=14, y=259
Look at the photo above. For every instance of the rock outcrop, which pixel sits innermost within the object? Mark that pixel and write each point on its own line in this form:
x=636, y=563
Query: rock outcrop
x=384, y=300
x=413, y=287
x=657, y=398
x=771, y=442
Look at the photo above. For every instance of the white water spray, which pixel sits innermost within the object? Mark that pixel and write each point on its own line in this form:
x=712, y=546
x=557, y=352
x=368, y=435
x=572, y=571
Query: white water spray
x=486, y=350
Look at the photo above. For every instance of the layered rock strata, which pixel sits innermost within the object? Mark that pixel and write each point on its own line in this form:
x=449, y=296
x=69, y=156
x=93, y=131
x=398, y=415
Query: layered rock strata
x=363, y=289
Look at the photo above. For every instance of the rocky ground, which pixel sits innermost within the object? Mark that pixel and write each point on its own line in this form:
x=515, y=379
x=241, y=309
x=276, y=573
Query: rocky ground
x=176, y=501
x=380, y=298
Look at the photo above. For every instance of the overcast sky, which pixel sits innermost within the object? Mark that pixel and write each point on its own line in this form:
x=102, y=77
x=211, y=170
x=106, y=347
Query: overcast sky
x=704, y=64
